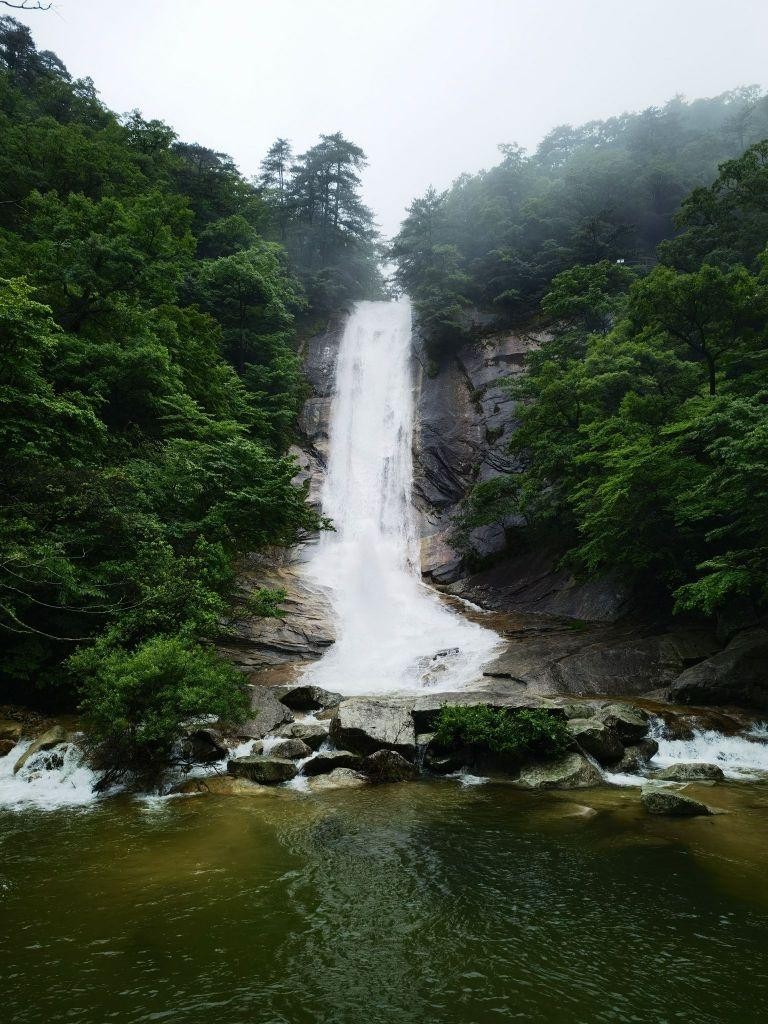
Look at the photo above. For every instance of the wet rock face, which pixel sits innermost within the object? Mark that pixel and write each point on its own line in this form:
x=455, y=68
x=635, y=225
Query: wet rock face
x=668, y=802
x=465, y=417
x=736, y=675
x=302, y=633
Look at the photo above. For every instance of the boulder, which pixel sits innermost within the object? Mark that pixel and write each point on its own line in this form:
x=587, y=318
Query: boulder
x=597, y=739
x=258, y=768
x=313, y=735
x=691, y=772
x=6, y=746
x=630, y=723
x=636, y=757
x=736, y=675
x=322, y=764
x=50, y=738
x=206, y=745
x=670, y=803
x=308, y=698
x=268, y=713
x=339, y=778
x=573, y=771
x=366, y=724
x=425, y=709
x=290, y=748
x=388, y=766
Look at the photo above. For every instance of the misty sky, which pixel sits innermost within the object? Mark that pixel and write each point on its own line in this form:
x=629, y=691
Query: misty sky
x=427, y=87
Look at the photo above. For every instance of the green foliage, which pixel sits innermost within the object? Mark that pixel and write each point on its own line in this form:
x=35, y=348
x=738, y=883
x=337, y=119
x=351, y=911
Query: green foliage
x=266, y=603
x=644, y=417
x=149, y=385
x=527, y=732
x=604, y=191
x=316, y=212
x=139, y=701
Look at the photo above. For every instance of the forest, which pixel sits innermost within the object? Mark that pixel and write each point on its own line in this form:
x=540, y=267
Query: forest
x=151, y=304
x=637, y=248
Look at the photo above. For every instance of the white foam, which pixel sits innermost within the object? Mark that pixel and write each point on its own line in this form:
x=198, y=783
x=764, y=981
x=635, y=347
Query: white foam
x=72, y=784
x=740, y=757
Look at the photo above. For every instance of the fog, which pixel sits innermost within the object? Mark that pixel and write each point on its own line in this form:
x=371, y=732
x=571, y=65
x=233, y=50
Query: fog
x=427, y=87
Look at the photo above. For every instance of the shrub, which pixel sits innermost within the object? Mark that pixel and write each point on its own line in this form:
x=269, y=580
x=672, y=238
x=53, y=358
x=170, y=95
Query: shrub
x=137, y=702
x=266, y=603
x=515, y=733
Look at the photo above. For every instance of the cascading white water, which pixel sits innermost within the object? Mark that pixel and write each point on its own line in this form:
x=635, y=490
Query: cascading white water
x=393, y=632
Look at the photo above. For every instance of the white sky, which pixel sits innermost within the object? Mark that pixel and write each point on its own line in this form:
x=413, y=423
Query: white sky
x=427, y=87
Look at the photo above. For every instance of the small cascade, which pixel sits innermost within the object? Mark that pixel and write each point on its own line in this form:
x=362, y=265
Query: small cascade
x=393, y=632
x=740, y=757
x=48, y=780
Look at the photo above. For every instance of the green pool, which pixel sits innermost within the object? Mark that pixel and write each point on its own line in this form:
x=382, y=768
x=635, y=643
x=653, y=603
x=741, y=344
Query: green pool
x=425, y=902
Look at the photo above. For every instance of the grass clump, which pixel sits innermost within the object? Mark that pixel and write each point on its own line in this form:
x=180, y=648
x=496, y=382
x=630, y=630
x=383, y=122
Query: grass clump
x=515, y=733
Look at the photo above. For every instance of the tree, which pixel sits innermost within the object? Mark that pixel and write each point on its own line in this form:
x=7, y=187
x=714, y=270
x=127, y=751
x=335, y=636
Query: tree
x=716, y=316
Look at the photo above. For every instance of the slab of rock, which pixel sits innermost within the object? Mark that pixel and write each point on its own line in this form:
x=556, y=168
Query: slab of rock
x=629, y=722
x=220, y=785
x=267, y=714
x=339, y=778
x=308, y=732
x=636, y=757
x=671, y=804
x=366, y=724
x=573, y=771
x=736, y=675
x=266, y=770
x=50, y=738
x=388, y=766
x=597, y=739
x=328, y=761
x=691, y=772
x=308, y=698
x=293, y=749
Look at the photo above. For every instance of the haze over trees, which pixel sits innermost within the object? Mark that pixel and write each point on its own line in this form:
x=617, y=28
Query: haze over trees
x=603, y=190
x=644, y=408
x=149, y=387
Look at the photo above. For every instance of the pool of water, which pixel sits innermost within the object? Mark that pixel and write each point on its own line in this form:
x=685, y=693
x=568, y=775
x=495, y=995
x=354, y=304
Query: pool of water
x=421, y=902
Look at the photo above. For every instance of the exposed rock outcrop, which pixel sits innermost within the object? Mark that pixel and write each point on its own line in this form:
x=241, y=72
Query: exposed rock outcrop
x=323, y=763
x=736, y=675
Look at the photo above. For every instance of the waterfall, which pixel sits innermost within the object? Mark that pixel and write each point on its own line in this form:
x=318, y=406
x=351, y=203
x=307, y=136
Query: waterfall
x=393, y=632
